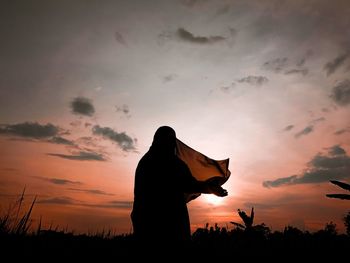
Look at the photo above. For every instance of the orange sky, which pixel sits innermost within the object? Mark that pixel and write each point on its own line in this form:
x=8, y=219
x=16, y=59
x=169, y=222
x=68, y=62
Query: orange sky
x=84, y=86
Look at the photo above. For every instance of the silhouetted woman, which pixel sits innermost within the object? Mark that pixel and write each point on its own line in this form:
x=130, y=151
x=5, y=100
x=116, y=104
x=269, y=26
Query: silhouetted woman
x=161, y=181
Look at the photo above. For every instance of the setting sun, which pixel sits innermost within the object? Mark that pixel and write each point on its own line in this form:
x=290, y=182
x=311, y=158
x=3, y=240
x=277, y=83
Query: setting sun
x=213, y=199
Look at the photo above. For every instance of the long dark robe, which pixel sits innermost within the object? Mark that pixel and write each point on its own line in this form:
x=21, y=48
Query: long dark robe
x=159, y=211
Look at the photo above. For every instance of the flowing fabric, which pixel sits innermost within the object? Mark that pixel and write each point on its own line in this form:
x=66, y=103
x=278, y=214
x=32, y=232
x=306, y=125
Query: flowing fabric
x=202, y=167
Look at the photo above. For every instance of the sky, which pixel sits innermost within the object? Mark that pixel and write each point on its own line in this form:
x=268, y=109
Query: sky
x=85, y=84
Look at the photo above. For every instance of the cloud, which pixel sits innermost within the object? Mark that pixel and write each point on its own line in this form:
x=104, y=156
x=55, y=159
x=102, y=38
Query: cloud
x=69, y=201
x=119, y=38
x=90, y=191
x=122, y=139
x=57, y=201
x=115, y=204
x=305, y=131
x=321, y=119
x=341, y=93
x=30, y=130
x=60, y=140
x=58, y=181
x=279, y=181
x=341, y=131
x=333, y=65
x=187, y=36
x=303, y=72
x=335, y=165
x=83, y=106
x=254, y=80
x=81, y=156
x=169, y=78
x=309, y=53
x=276, y=65
x=288, y=128
x=124, y=109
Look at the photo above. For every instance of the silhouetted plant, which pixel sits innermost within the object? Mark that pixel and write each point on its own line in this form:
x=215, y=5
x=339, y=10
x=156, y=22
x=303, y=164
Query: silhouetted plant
x=347, y=223
x=12, y=221
x=331, y=228
x=247, y=220
x=249, y=223
x=341, y=185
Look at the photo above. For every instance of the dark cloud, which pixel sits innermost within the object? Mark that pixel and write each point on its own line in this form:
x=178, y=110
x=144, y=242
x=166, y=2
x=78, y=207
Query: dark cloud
x=341, y=93
x=69, y=201
x=30, y=130
x=83, y=106
x=57, y=201
x=116, y=204
x=341, y=131
x=58, y=181
x=254, y=80
x=124, y=109
x=276, y=65
x=119, y=38
x=61, y=140
x=336, y=150
x=303, y=72
x=169, y=78
x=75, y=123
x=335, y=165
x=187, y=36
x=309, y=53
x=280, y=181
x=81, y=156
x=227, y=89
x=288, y=128
x=122, y=139
x=90, y=191
x=305, y=131
x=321, y=119
x=333, y=65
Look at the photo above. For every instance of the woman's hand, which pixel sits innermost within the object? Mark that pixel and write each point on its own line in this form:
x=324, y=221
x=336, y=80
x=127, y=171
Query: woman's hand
x=215, y=188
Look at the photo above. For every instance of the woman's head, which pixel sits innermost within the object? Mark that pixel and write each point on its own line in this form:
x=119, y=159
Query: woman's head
x=164, y=140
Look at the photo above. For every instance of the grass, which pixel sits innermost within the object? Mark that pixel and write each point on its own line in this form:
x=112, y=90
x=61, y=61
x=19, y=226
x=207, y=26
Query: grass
x=20, y=240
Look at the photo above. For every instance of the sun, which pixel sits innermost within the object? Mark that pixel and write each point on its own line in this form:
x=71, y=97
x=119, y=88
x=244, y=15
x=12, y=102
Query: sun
x=213, y=199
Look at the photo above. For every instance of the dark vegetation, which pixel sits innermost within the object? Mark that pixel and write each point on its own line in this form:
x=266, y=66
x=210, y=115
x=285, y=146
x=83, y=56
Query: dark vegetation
x=19, y=239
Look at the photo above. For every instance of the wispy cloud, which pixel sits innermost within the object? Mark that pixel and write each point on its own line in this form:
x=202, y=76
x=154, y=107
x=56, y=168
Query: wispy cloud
x=254, y=80
x=341, y=93
x=288, y=128
x=90, y=191
x=341, y=131
x=60, y=140
x=336, y=63
x=321, y=119
x=276, y=65
x=124, y=141
x=168, y=78
x=119, y=38
x=82, y=106
x=305, y=131
x=124, y=109
x=63, y=200
x=58, y=181
x=187, y=36
x=30, y=130
x=81, y=156
x=335, y=165
x=303, y=72
x=57, y=201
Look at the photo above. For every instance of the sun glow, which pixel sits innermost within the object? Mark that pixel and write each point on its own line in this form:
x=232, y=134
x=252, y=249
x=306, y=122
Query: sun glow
x=213, y=199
